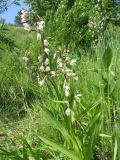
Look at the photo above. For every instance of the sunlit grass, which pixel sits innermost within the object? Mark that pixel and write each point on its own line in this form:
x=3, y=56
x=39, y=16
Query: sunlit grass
x=97, y=117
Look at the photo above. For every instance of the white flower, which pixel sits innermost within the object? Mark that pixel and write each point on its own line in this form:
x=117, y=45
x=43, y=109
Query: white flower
x=53, y=73
x=40, y=26
x=24, y=16
x=67, y=90
x=68, y=72
x=47, y=62
x=75, y=77
x=42, y=68
x=24, y=20
x=40, y=58
x=47, y=69
x=73, y=62
x=68, y=111
x=47, y=51
x=27, y=28
x=59, y=63
x=23, y=11
x=78, y=97
x=46, y=43
x=41, y=82
x=38, y=36
x=42, y=23
x=25, y=58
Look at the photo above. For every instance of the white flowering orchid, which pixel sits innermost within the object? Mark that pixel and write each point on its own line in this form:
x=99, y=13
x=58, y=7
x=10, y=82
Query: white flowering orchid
x=42, y=23
x=47, y=69
x=40, y=58
x=53, y=73
x=67, y=90
x=75, y=76
x=47, y=51
x=68, y=72
x=25, y=58
x=39, y=37
x=40, y=26
x=59, y=63
x=68, y=112
x=23, y=11
x=47, y=61
x=78, y=97
x=73, y=62
x=46, y=43
x=42, y=68
x=24, y=16
x=41, y=82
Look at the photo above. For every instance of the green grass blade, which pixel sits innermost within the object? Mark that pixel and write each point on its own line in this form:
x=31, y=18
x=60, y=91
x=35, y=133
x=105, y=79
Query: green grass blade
x=60, y=148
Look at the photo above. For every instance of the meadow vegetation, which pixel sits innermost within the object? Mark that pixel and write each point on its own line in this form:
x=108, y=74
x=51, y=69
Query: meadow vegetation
x=60, y=87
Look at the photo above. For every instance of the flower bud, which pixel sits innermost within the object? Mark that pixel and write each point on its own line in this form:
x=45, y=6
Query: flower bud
x=38, y=36
x=41, y=82
x=47, y=62
x=27, y=27
x=68, y=72
x=78, y=97
x=42, y=68
x=68, y=112
x=47, y=51
x=47, y=69
x=46, y=43
x=59, y=63
x=67, y=90
x=73, y=62
x=40, y=26
x=53, y=73
x=40, y=58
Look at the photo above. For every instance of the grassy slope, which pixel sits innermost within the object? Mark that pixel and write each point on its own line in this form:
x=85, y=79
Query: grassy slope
x=16, y=89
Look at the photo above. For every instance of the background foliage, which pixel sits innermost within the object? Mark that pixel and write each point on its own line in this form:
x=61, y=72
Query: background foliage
x=68, y=21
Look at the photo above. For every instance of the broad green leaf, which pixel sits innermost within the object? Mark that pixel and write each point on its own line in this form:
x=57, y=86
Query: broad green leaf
x=105, y=136
x=107, y=58
x=56, y=123
x=115, y=148
x=68, y=137
x=60, y=148
x=65, y=102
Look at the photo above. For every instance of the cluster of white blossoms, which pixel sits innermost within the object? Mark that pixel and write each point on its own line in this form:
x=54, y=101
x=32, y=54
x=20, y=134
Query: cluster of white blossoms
x=25, y=20
x=67, y=67
x=97, y=21
x=43, y=58
x=64, y=64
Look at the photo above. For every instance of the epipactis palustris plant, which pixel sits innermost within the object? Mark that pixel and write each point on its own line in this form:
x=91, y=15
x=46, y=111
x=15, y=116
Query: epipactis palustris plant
x=64, y=64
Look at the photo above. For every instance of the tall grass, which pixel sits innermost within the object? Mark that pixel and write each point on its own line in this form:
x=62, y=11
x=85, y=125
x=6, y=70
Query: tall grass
x=44, y=131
